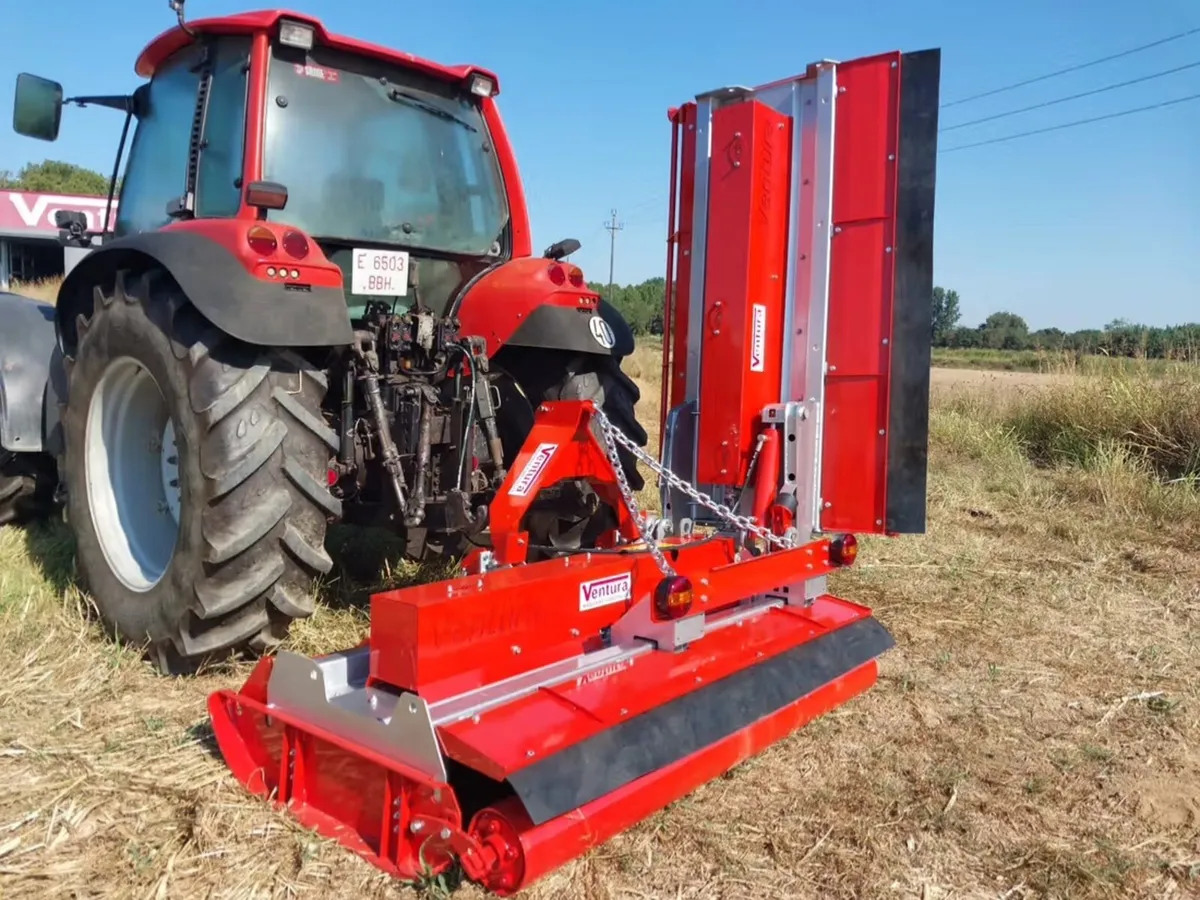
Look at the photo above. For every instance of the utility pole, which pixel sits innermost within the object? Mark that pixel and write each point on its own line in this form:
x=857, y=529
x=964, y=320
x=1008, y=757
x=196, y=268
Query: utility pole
x=613, y=227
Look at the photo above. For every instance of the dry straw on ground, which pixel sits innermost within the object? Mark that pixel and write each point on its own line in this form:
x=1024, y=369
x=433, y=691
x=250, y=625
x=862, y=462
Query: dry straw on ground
x=1033, y=734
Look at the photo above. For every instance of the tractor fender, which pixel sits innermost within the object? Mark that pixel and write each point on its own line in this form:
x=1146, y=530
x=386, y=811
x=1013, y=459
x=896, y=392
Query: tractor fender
x=250, y=309
x=604, y=331
x=27, y=350
x=518, y=304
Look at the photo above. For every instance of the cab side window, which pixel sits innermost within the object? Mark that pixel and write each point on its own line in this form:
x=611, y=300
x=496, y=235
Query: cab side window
x=156, y=173
x=219, y=177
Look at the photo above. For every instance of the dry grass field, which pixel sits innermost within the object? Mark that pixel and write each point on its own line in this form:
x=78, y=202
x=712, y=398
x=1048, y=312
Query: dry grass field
x=1033, y=734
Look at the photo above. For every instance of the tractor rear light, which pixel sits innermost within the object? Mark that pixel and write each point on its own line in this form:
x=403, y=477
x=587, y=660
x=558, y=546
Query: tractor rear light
x=844, y=550
x=575, y=276
x=673, y=597
x=482, y=86
x=295, y=244
x=294, y=34
x=331, y=477
x=557, y=275
x=262, y=240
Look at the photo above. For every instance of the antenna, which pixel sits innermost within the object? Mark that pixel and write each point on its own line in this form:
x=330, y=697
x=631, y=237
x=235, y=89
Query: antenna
x=177, y=8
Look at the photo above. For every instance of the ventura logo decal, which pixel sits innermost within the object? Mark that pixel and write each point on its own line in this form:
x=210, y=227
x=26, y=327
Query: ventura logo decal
x=25, y=209
x=530, y=475
x=603, y=591
x=758, y=338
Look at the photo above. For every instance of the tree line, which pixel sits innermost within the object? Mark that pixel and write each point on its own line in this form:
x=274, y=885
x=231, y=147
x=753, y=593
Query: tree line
x=1009, y=331
x=54, y=177
x=642, y=304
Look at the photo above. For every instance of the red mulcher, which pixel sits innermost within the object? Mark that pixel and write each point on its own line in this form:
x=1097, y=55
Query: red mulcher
x=512, y=718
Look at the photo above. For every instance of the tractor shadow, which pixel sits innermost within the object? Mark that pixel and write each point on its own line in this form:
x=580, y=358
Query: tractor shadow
x=365, y=561
x=50, y=545
x=368, y=561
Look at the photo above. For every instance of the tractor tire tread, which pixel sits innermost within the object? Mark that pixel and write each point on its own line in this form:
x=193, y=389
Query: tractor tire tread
x=264, y=504
x=602, y=380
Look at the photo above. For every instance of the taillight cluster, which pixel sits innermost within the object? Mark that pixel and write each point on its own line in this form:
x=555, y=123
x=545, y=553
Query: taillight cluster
x=673, y=598
x=560, y=275
x=843, y=550
x=262, y=241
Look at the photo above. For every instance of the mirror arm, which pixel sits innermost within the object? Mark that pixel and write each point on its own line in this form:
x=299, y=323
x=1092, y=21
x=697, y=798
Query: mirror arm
x=109, y=225
x=121, y=103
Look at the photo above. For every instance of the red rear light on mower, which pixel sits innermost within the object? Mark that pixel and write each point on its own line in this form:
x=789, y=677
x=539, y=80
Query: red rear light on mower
x=262, y=240
x=673, y=597
x=575, y=276
x=843, y=550
x=295, y=244
x=557, y=275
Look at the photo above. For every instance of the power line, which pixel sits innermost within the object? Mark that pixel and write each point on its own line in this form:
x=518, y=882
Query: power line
x=613, y=228
x=1100, y=90
x=1074, y=68
x=657, y=198
x=1116, y=115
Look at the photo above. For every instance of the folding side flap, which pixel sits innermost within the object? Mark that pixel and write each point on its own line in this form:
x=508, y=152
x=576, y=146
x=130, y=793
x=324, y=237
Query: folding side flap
x=879, y=333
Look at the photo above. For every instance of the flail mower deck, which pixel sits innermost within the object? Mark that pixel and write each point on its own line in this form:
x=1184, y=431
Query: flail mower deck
x=516, y=716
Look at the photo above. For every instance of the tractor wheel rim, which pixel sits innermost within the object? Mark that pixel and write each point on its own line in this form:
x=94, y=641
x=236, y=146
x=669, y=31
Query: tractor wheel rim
x=131, y=466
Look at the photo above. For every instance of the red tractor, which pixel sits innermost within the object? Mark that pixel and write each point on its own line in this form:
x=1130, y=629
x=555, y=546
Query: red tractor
x=318, y=301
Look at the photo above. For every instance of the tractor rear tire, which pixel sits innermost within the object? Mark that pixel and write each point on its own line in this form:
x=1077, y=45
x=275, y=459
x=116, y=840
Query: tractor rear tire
x=196, y=473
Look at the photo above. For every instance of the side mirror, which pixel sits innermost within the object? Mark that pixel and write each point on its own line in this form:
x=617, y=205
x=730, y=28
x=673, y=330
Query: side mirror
x=37, y=107
x=561, y=249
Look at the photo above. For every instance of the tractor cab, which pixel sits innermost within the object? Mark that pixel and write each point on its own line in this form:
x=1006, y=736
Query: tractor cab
x=395, y=170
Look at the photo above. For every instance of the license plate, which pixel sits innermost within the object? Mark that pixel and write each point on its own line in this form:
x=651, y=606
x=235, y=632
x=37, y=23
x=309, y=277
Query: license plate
x=379, y=273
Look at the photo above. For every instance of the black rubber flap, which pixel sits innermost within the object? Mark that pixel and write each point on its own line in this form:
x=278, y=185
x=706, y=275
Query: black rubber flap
x=590, y=769
x=912, y=312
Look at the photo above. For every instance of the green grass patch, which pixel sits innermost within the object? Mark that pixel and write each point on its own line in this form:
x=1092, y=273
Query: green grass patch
x=1062, y=362
x=1153, y=423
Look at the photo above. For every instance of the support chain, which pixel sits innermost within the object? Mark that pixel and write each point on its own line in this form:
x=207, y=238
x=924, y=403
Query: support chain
x=613, y=437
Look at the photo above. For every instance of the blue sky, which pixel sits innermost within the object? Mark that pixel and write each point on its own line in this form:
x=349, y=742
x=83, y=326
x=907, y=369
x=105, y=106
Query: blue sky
x=1071, y=229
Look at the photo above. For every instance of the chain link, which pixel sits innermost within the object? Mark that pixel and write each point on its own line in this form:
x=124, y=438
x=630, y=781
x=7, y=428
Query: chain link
x=614, y=436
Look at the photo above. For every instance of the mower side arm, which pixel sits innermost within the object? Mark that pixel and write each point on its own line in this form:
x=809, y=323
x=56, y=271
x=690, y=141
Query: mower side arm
x=27, y=349
x=248, y=308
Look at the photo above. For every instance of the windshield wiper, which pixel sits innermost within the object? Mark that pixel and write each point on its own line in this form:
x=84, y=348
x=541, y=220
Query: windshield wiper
x=412, y=100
